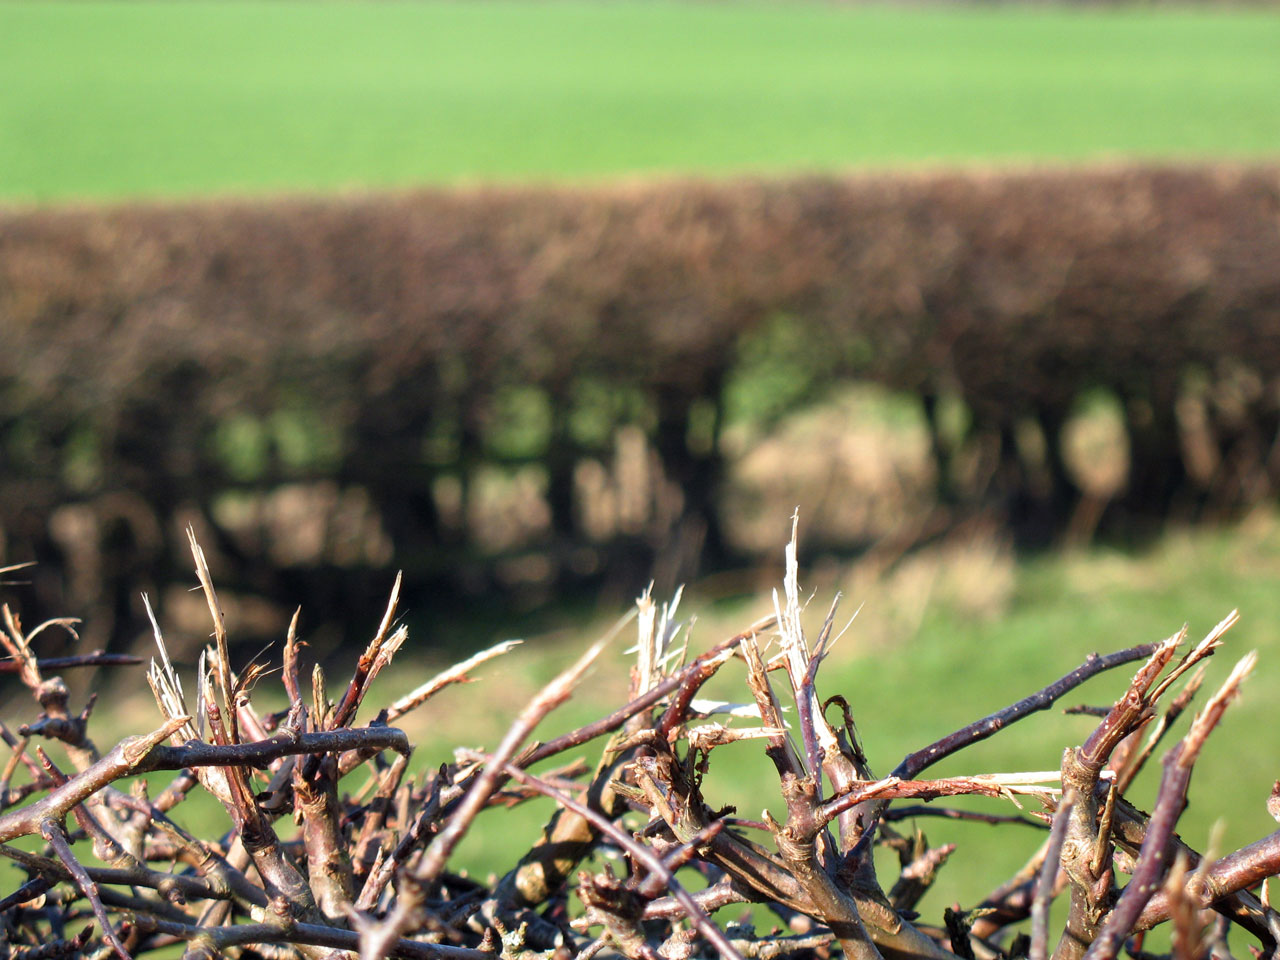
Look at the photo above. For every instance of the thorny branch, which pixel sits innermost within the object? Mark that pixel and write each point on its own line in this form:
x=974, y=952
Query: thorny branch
x=372, y=868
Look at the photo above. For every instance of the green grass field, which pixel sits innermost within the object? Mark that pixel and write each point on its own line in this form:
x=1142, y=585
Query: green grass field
x=112, y=100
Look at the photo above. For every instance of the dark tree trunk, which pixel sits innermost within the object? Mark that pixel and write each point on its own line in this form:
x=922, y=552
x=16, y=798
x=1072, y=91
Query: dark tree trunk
x=698, y=476
x=561, y=462
x=1157, y=472
x=943, y=455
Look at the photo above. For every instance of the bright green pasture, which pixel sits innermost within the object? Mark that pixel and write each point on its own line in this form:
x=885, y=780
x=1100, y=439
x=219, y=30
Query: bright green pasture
x=106, y=99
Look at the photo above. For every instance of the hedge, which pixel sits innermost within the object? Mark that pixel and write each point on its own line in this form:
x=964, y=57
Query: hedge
x=400, y=345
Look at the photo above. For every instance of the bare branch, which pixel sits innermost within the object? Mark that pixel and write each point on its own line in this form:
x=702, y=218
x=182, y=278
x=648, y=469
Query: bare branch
x=249, y=934
x=551, y=696
x=643, y=854
x=993, y=723
x=52, y=831
x=538, y=752
x=455, y=674
x=1046, y=880
x=97, y=658
x=1178, y=764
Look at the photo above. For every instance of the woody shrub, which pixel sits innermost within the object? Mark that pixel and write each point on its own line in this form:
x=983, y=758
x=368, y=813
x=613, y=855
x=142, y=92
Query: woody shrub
x=637, y=860
x=161, y=358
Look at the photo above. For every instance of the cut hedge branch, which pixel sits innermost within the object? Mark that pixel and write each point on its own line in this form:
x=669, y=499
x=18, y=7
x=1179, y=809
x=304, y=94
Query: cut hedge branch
x=373, y=867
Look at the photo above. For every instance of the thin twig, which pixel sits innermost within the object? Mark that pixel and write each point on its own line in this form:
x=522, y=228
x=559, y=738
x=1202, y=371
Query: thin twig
x=1047, y=878
x=454, y=674
x=537, y=752
x=52, y=831
x=1178, y=764
x=95, y=659
x=993, y=723
x=640, y=852
x=551, y=696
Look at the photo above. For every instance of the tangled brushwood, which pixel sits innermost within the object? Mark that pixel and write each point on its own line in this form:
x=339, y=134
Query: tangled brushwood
x=368, y=870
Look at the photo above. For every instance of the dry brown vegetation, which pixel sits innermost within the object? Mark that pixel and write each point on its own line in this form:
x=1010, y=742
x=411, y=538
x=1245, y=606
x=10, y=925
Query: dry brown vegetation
x=636, y=861
x=531, y=386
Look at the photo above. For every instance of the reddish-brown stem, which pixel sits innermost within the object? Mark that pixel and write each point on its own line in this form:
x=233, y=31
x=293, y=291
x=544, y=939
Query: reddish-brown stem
x=305, y=934
x=895, y=814
x=95, y=659
x=540, y=751
x=1153, y=858
x=993, y=723
x=1046, y=880
x=52, y=831
x=641, y=853
x=477, y=797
